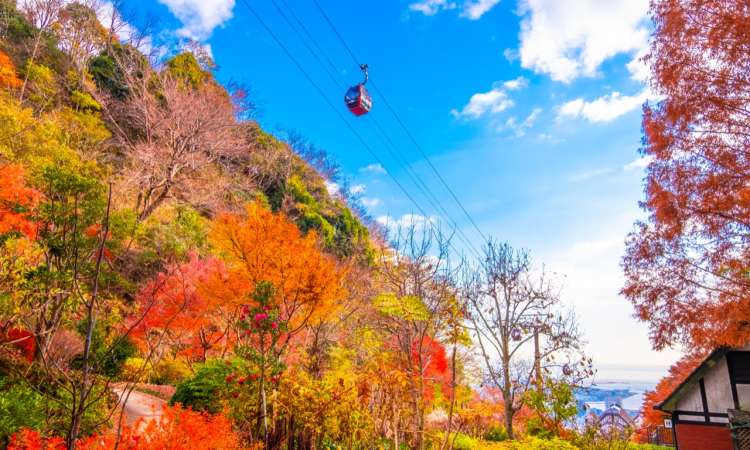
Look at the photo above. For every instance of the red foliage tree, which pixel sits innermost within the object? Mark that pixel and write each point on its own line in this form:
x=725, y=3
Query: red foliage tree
x=22, y=340
x=690, y=259
x=430, y=359
x=175, y=313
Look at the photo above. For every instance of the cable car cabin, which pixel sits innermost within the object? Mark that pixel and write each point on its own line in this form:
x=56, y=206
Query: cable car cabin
x=358, y=100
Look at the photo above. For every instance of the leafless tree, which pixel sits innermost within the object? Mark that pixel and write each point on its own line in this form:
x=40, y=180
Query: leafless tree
x=177, y=139
x=516, y=320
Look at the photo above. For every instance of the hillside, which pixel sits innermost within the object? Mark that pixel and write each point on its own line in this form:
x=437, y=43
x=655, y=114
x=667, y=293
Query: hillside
x=154, y=238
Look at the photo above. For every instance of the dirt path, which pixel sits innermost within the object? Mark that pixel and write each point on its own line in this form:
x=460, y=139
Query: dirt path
x=139, y=405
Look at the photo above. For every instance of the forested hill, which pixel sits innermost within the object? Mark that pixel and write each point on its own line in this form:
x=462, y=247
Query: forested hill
x=176, y=146
x=154, y=237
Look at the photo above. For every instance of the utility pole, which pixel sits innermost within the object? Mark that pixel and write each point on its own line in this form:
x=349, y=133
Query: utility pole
x=537, y=361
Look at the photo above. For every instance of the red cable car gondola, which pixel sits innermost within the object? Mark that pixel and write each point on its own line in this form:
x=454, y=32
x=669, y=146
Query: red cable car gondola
x=357, y=98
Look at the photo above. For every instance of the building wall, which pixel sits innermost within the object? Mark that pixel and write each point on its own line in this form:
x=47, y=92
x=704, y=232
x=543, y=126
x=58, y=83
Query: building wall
x=691, y=401
x=703, y=437
x=718, y=388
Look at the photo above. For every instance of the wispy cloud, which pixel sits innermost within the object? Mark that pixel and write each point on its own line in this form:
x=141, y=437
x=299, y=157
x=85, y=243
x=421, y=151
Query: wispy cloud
x=494, y=101
x=431, y=7
x=470, y=9
x=375, y=168
x=589, y=174
x=371, y=202
x=515, y=84
x=605, y=108
x=417, y=221
x=358, y=189
x=473, y=10
x=638, y=163
x=519, y=128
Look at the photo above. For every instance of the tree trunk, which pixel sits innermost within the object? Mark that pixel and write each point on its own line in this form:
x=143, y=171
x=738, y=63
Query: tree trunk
x=453, y=399
x=507, y=398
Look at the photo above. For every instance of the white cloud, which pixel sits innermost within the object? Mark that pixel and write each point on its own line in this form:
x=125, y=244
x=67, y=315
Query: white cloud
x=470, y=9
x=515, y=84
x=588, y=174
x=406, y=221
x=371, y=202
x=357, y=189
x=638, y=164
x=376, y=168
x=200, y=17
x=493, y=101
x=475, y=9
x=332, y=188
x=570, y=38
x=431, y=7
x=520, y=128
x=605, y=108
x=638, y=68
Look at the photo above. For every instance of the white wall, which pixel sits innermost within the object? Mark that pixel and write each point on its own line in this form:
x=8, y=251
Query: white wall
x=718, y=388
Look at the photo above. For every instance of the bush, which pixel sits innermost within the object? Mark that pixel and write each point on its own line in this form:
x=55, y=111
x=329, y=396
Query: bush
x=133, y=369
x=170, y=372
x=464, y=442
x=178, y=428
x=203, y=391
x=496, y=433
x=20, y=407
x=113, y=358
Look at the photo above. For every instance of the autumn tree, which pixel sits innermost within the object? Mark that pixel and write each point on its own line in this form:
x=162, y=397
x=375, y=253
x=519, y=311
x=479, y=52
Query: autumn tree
x=262, y=246
x=17, y=201
x=415, y=306
x=175, y=317
x=8, y=77
x=515, y=311
x=299, y=284
x=177, y=129
x=678, y=372
x=686, y=265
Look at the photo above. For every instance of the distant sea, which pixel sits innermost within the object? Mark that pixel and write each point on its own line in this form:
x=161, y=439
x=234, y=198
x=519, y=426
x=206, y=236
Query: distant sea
x=631, y=382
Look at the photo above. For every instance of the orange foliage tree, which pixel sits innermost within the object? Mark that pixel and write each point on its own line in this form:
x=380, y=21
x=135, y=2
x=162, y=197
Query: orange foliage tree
x=194, y=307
x=690, y=258
x=263, y=246
x=176, y=429
x=8, y=77
x=677, y=374
x=17, y=200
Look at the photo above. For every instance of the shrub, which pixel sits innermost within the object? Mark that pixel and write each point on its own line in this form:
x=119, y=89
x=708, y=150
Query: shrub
x=464, y=442
x=136, y=369
x=112, y=359
x=177, y=428
x=170, y=372
x=496, y=433
x=20, y=407
x=202, y=391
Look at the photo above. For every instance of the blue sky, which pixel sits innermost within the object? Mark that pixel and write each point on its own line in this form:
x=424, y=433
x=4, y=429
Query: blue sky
x=529, y=109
